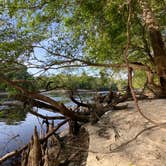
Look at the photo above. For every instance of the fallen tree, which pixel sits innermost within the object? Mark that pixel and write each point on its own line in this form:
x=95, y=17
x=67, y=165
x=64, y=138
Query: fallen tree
x=84, y=112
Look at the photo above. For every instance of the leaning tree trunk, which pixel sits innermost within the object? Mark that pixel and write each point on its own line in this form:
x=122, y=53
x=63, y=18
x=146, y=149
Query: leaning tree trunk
x=156, y=43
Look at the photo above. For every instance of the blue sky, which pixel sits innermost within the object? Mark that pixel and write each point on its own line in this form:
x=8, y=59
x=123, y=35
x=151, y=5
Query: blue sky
x=41, y=54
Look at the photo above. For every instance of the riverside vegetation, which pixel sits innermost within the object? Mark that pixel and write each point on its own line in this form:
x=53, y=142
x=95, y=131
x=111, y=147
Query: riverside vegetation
x=121, y=45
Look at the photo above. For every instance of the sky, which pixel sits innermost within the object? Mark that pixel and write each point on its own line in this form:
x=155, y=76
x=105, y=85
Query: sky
x=42, y=55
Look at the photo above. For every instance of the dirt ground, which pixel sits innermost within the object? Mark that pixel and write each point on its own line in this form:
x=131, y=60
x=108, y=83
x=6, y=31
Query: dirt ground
x=75, y=149
x=113, y=140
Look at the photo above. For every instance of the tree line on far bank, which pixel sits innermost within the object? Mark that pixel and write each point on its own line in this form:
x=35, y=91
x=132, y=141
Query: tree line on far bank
x=102, y=81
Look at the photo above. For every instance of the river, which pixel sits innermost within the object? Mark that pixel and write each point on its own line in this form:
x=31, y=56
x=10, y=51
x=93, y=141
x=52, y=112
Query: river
x=16, y=128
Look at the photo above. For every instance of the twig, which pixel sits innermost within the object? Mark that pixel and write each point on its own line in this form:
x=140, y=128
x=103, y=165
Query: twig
x=13, y=153
x=77, y=102
x=46, y=117
x=53, y=131
x=137, y=135
x=13, y=138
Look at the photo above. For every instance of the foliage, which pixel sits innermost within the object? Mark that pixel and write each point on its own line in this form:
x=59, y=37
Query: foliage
x=13, y=116
x=102, y=26
x=74, y=32
x=69, y=82
x=83, y=81
x=139, y=79
x=20, y=75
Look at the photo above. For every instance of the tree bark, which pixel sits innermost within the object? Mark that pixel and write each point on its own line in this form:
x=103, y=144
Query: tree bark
x=150, y=84
x=156, y=43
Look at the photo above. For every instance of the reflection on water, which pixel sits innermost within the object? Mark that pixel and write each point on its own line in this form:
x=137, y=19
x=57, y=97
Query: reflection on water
x=14, y=136
x=16, y=125
x=13, y=116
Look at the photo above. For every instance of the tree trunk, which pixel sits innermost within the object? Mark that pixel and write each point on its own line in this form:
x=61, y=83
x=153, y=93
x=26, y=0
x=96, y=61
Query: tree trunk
x=155, y=89
x=128, y=90
x=156, y=43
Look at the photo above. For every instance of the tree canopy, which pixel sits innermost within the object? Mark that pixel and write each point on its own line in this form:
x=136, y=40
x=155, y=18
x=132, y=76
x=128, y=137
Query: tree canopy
x=78, y=33
x=124, y=37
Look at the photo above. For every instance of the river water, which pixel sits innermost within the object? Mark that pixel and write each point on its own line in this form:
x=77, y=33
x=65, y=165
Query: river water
x=17, y=127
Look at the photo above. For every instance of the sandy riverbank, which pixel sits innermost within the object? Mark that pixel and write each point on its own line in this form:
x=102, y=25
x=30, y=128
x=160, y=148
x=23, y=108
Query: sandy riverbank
x=117, y=128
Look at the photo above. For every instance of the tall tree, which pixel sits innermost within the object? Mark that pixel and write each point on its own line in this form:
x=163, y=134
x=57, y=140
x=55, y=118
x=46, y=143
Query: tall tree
x=159, y=50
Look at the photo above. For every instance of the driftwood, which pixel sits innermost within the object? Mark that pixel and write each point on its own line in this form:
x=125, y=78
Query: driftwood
x=36, y=152
x=95, y=109
x=37, y=99
x=91, y=114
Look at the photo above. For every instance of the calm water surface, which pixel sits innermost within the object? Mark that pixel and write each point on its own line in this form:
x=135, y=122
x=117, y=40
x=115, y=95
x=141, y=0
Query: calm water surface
x=16, y=134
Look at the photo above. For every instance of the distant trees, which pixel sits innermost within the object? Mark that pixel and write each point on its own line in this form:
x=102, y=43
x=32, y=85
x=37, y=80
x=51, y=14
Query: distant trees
x=91, y=33
x=21, y=76
x=73, y=34
x=66, y=81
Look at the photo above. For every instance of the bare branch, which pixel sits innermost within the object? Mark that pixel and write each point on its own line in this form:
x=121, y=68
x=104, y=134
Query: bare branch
x=77, y=102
